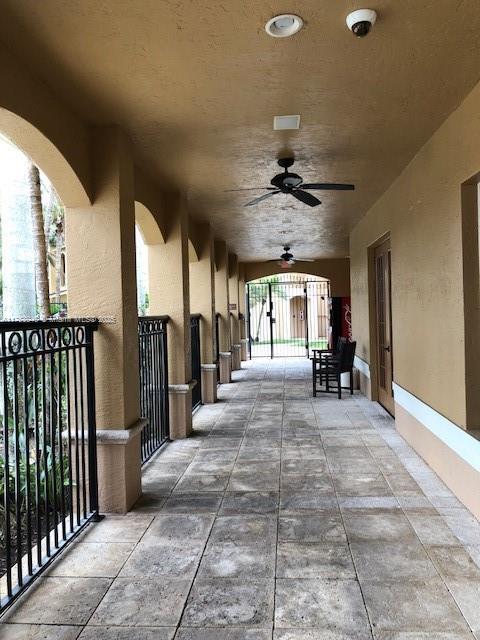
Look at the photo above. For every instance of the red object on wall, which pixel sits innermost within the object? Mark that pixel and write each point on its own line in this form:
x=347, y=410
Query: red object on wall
x=347, y=319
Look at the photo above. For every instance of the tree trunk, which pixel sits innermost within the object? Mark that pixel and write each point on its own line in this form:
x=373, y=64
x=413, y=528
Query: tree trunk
x=39, y=247
x=58, y=257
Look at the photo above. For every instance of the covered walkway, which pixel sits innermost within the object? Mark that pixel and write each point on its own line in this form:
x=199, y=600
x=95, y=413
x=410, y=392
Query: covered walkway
x=284, y=517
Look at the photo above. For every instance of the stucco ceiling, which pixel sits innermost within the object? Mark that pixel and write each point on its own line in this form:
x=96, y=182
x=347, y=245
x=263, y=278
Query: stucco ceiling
x=197, y=83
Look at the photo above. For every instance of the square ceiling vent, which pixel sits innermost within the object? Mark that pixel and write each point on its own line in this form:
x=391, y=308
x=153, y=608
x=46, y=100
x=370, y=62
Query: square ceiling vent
x=281, y=123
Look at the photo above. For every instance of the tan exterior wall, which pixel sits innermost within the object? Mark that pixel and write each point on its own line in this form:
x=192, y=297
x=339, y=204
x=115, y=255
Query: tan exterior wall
x=202, y=292
x=56, y=140
x=422, y=211
x=336, y=270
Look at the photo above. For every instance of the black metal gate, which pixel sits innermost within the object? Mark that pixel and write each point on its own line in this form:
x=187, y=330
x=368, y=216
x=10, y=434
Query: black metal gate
x=287, y=317
x=153, y=371
x=196, y=360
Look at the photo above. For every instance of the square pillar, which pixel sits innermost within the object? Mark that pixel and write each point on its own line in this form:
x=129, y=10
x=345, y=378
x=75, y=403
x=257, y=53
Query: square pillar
x=225, y=367
x=234, y=309
x=202, y=301
x=221, y=294
x=100, y=242
x=168, y=273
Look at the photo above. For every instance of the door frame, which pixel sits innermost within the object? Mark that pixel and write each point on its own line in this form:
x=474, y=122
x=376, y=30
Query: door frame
x=372, y=312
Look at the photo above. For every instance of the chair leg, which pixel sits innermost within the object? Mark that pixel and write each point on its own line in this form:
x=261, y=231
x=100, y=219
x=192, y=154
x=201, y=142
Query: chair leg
x=327, y=382
x=339, y=384
x=314, y=379
x=351, y=383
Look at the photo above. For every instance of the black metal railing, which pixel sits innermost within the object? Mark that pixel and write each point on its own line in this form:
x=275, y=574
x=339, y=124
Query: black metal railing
x=48, y=466
x=217, y=344
x=196, y=360
x=153, y=374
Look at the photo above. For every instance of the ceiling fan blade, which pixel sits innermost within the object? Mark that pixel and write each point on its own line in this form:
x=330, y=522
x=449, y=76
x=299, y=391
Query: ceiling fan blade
x=264, y=197
x=305, y=197
x=328, y=186
x=251, y=189
x=304, y=260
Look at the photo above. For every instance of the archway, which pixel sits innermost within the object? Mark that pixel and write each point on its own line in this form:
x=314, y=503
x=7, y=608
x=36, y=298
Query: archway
x=72, y=190
x=147, y=234
x=288, y=315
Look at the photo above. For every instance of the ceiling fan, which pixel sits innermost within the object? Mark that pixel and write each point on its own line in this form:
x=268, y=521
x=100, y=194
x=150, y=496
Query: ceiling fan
x=291, y=183
x=287, y=259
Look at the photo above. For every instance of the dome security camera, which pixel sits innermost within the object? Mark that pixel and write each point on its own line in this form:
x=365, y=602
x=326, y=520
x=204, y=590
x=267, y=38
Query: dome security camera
x=361, y=21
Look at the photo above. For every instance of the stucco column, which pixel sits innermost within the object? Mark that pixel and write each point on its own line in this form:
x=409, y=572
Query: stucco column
x=234, y=309
x=221, y=307
x=100, y=242
x=242, y=312
x=168, y=274
x=202, y=300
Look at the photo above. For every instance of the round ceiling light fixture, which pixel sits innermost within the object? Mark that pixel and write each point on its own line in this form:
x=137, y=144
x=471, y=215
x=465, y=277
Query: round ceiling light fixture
x=284, y=25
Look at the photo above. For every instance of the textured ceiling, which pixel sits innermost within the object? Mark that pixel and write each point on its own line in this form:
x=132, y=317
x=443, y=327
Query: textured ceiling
x=196, y=83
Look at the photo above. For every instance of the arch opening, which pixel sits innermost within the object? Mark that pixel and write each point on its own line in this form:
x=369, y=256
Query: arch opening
x=33, y=250
x=288, y=315
x=73, y=191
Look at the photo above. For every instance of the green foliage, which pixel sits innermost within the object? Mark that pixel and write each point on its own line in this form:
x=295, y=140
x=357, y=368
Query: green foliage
x=38, y=472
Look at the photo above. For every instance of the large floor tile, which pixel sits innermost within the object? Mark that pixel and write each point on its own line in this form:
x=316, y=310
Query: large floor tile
x=330, y=605
x=412, y=606
x=137, y=602
x=127, y=633
x=383, y=561
x=231, y=560
x=212, y=633
x=92, y=559
x=225, y=602
x=38, y=632
x=178, y=528
x=324, y=526
x=65, y=601
x=314, y=560
x=385, y=525
x=150, y=560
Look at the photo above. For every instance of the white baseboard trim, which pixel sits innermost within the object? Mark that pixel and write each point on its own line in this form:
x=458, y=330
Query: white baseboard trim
x=362, y=366
x=460, y=441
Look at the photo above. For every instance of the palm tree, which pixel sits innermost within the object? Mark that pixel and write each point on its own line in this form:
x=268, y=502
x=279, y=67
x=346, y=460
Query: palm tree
x=39, y=244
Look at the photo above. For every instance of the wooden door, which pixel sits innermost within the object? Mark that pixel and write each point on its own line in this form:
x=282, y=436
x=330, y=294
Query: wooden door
x=383, y=299
x=297, y=317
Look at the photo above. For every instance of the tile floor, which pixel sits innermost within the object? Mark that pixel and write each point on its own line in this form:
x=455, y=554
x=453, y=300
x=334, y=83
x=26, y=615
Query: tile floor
x=284, y=517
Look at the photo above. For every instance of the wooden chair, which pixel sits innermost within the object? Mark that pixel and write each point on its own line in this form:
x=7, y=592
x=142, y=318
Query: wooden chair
x=333, y=368
x=322, y=356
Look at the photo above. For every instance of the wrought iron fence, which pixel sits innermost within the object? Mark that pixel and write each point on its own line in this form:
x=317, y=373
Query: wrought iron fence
x=48, y=467
x=196, y=360
x=153, y=365
x=287, y=318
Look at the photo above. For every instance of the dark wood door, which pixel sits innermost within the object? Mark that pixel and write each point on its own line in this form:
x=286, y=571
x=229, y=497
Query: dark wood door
x=383, y=299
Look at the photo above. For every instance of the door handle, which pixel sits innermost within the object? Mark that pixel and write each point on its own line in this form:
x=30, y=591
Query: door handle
x=386, y=349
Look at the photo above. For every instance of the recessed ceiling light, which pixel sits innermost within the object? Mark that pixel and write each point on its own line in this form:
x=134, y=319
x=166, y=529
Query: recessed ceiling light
x=284, y=25
x=281, y=123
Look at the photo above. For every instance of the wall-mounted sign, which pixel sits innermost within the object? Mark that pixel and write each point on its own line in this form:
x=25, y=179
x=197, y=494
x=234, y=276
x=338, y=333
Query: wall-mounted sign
x=232, y=307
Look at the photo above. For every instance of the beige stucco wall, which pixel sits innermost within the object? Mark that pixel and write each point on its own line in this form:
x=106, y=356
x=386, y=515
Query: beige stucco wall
x=337, y=270
x=423, y=214
x=56, y=140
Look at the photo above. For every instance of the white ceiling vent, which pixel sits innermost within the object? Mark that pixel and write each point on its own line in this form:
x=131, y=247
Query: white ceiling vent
x=280, y=123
